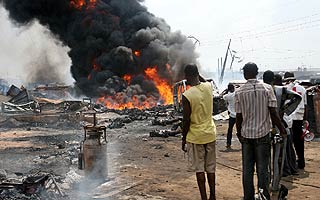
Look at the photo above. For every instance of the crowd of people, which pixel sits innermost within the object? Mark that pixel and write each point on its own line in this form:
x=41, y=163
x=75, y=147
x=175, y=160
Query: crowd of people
x=263, y=111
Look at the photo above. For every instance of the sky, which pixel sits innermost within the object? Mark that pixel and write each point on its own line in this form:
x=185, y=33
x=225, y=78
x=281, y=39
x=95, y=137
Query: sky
x=277, y=35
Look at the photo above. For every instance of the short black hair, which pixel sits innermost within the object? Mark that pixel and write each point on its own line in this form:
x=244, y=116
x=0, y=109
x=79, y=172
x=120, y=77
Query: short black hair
x=250, y=67
x=268, y=76
x=191, y=70
x=289, y=75
x=277, y=79
x=230, y=86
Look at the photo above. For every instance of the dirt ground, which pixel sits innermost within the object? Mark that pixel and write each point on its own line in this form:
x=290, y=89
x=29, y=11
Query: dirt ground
x=141, y=167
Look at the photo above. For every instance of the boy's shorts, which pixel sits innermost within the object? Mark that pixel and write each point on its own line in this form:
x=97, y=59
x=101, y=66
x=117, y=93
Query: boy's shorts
x=203, y=157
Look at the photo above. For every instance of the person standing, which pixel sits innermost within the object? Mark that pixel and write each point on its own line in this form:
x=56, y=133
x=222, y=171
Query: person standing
x=255, y=105
x=199, y=130
x=298, y=117
x=288, y=101
x=229, y=98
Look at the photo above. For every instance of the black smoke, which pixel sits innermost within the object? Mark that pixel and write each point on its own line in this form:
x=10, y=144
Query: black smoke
x=103, y=37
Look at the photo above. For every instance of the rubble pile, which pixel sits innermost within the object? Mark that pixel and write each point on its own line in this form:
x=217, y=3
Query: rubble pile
x=31, y=187
x=131, y=115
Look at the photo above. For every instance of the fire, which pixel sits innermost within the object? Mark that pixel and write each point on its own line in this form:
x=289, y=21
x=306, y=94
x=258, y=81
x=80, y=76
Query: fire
x=164, y=88
x=78, y=4
x=120, y=101
x=127, y=78
x=96, y=67
x=137, y=53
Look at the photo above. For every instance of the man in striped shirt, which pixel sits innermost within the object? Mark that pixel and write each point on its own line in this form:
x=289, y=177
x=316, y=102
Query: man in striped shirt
x=255, y=105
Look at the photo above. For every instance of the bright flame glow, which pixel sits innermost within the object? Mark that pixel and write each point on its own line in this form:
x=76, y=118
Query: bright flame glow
x=137, y=53
x=164, y=88
x=120, y=101
x=78, y=4
x=127, y=78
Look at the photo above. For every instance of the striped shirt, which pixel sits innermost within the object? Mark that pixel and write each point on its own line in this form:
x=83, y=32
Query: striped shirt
x=253, y=100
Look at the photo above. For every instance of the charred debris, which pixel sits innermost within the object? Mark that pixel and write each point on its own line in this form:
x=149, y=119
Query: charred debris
x=41, y=107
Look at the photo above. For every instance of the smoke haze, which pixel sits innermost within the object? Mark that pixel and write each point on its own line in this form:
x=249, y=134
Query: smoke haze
x=108, y=39
x=27, y=50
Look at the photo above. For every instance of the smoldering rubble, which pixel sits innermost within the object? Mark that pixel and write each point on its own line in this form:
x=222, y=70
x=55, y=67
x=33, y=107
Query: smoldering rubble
x=47, y=181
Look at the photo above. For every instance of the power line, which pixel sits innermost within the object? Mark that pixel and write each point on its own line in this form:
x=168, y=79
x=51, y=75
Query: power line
x=283, y=29
x=309, y=17
x=280, y=51
x=292, y=28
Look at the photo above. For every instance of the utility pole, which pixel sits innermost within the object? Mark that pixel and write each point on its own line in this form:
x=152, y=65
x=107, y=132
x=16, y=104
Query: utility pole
x=218, y=67
x=224, y=63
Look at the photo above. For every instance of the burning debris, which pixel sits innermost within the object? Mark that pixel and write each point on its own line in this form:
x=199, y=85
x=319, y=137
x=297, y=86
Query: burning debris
x=120, y=53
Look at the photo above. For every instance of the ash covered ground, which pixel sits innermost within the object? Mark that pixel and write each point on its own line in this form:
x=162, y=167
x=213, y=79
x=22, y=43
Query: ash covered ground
x=139, y=166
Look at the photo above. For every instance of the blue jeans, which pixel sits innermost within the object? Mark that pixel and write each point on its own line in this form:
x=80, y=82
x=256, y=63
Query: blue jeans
x=255, y=151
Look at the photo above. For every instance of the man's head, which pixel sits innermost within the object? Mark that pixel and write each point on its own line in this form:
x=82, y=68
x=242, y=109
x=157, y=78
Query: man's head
x=277, y=79
x=231, y=87
x=289, y=77
x=250, y=70
x=268, y=77
x=191, y=73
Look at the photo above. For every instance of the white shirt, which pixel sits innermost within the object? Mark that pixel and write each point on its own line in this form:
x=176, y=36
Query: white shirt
x=299, y=112
x=229, y=98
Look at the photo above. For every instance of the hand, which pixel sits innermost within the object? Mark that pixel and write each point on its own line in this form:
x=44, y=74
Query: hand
x=240, y=138
x=283, y=133
x=183, y=145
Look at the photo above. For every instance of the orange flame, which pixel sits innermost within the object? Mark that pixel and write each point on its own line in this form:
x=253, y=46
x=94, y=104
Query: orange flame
x=127, y=78
x=137, y=53
x=164, y=88
x=120, y=101
x=78, y=4
x=96, y=67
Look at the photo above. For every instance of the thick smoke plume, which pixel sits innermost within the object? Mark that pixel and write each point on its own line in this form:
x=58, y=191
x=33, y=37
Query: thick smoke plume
x=109, y=39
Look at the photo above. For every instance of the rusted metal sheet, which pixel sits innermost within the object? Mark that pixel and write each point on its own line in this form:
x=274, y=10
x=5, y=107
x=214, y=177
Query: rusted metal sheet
x=316, y=101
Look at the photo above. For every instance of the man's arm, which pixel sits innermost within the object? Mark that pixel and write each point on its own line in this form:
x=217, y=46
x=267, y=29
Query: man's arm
x=276, y=121
x=294, y=100
x=239, y=120
x=305, y=116
x=186, y=120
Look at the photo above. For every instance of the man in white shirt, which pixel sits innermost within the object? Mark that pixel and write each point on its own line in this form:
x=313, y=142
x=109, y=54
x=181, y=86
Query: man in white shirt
x=229, y=98
x=298, y=116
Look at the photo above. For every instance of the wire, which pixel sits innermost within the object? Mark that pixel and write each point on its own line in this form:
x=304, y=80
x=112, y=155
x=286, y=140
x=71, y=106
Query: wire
x=309, y=17
x=293, y=28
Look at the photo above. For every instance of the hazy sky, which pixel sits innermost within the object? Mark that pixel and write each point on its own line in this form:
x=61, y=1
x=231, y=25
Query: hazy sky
x=276, y=34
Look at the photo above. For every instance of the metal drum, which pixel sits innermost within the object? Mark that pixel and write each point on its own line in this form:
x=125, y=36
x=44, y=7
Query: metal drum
x=93, y=153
